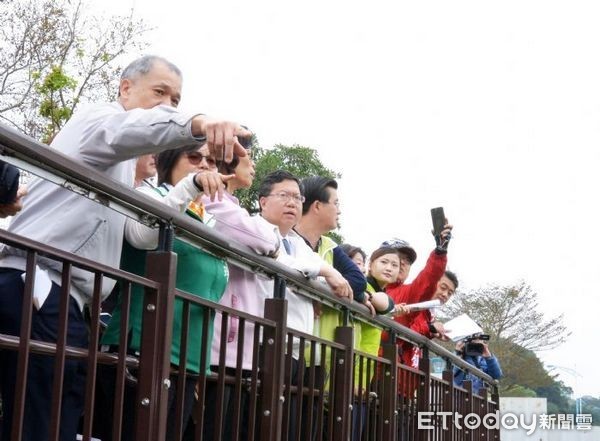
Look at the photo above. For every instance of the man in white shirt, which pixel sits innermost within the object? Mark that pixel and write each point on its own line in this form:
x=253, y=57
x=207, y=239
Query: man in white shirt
x=280, y=199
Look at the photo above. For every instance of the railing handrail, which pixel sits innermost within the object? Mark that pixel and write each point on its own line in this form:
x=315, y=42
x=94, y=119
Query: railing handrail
x=129, y=202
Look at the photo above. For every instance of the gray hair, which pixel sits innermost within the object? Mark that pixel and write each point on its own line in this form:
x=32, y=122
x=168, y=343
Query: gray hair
x=143, y=65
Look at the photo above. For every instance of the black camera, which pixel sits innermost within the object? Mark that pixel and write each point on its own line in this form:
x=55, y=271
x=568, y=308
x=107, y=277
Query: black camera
x=472, y=349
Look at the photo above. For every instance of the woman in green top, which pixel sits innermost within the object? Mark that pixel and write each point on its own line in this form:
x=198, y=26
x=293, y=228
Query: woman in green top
x=199, y=273
x=383, y=269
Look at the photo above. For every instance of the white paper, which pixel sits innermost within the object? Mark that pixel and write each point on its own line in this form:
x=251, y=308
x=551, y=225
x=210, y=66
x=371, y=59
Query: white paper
x=41, y=286
x=461, y=327
x=421, y=306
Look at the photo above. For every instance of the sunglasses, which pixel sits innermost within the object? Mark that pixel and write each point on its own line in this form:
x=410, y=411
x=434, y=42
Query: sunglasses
x=196, y=158
x=245, y=142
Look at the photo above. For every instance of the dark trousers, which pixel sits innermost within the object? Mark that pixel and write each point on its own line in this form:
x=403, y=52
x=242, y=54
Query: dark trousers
x=105, y=415
x=210, y=412
x=297, y=379
x=40, y=373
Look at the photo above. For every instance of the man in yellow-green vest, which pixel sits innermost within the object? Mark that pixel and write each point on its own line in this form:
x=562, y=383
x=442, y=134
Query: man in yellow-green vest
x=320, y=213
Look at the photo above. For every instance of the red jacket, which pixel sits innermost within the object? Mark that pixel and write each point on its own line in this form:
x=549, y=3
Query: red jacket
x=421, y=289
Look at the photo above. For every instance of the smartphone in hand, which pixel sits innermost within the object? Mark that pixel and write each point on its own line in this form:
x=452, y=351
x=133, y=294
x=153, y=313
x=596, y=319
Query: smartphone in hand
x=438, y=219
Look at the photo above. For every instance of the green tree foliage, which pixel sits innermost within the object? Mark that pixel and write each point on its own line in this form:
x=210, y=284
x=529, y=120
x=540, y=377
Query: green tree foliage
x=558, y=396
x=54, y=56
x=55, y=85
x=298, y=160
x=591, y=406
x=520, y=367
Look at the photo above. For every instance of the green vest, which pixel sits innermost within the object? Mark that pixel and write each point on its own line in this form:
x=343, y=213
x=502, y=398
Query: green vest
x=330, y=318
x=325, y=249
x=198, y=273
x=366, y=339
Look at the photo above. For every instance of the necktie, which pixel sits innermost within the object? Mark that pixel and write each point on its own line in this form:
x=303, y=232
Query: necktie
x=287, y=246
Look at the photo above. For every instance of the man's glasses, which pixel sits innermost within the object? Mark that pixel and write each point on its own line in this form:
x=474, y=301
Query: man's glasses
x=284, y=196
x=196, y=158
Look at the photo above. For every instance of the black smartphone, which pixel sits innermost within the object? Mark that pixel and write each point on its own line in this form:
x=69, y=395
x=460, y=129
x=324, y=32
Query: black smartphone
x=438, y=219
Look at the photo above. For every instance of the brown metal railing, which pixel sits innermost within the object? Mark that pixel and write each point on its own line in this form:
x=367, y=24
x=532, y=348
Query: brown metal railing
x=331, y=392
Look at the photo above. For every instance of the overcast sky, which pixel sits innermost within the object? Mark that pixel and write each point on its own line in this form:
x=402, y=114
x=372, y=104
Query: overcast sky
x=491, y=110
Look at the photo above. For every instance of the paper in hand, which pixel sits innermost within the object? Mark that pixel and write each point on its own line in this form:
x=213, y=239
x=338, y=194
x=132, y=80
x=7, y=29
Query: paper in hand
x=461, y=327
x=421, y=306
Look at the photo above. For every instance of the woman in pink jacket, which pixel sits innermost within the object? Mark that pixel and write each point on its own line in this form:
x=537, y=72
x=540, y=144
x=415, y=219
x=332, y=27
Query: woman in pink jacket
x=241, y=293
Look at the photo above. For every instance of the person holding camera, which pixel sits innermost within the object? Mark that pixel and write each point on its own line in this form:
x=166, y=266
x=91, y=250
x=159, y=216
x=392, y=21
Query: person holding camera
x=476, y=352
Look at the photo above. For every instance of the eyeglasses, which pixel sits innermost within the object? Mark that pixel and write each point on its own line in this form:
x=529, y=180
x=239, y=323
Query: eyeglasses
x=284, y=196
x=196, y=158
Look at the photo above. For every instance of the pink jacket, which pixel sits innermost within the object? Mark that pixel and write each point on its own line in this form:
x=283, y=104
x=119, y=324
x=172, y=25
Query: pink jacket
x=241, y=292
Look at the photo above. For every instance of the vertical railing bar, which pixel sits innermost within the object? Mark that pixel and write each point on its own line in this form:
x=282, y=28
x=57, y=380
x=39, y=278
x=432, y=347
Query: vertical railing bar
x=390, y=388
x=201, y=384
x=344, y=383
x=372, y=384
x=448, y=398
x=272, y=371
x=182, y=370
x=423, y=400
x=321, y=397
x=287, y=381
x=401, y=398
x=92, y=365
x=379, y=420
x=496, y=406
x=300, y=388
x=379, y=371
x=357, y=398
x=254, y=385
x=469, y=407
x=219, y=417
x=59, y=360
x=155, y=347
x=361, y=374
x=435, y=408
x=238, y=378
x=439, y=405
x=125, y=297
x=166, y=237
x=279, y=287
x=311, y=389
x=410, y=398
x=333, y=391
x=24, y=346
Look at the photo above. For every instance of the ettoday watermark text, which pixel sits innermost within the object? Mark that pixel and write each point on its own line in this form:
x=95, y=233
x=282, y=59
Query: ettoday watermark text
x=507, y=420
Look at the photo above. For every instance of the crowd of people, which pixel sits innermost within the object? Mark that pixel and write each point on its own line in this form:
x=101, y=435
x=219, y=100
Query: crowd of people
x=194, y=164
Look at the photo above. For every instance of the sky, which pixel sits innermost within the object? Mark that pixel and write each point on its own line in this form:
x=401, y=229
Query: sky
x=489, y=109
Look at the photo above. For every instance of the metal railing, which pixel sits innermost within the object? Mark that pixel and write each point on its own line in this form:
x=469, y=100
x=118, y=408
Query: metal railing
x=330, y=391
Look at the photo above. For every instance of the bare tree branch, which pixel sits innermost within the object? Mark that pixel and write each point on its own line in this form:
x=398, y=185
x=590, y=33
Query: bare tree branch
x=39, y=36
